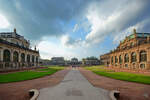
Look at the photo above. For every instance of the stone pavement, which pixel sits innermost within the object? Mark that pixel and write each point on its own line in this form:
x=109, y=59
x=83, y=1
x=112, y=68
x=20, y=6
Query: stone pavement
x=128, y=90
x=74, y=87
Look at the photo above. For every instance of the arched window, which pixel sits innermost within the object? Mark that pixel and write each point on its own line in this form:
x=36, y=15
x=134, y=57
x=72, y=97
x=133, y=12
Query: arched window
x=143, y=56
x=120, y=59
x=28, y=58
x=133, y=65
x=133, y=57
x=126, y=65
x=15, y=56
x=32, y=58
x=126, y=58
x=142, y=66
x=36, y=59
x=112, y=60
x=22, y=57
x=116, y=59
x=6, y=56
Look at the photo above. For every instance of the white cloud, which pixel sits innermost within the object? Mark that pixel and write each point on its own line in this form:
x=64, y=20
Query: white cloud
x=50, y=49
x=75, y=28
x=67, y=41
x=104, y=24
x=139, y=27
x=103, y=19
x=3, y=22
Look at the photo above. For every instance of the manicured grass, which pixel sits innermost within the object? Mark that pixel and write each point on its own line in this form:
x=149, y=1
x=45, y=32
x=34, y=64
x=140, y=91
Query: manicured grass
x=126, y=76
x=28, y=75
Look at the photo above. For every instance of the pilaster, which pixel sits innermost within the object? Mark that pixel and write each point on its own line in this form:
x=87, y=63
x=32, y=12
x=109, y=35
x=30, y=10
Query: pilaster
x=130, y=62
x=148, y=59
x=1, y=55
x=11, y=55
x=137, y=59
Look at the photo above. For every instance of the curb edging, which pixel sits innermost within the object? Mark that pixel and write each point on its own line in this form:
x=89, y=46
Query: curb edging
x=114, y=94
x=33, y=93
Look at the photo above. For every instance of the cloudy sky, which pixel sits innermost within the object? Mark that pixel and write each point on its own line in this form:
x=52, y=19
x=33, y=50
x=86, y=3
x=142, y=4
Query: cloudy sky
x=74, y=28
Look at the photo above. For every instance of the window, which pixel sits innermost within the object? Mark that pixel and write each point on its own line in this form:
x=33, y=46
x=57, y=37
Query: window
x=116, y=59
x=126, y=58
x=142, y=66
x=36, y=59
x=112, y=60
x=120, y=59
x=143, y=56
x=133, y=57
x=22, y=57
x=32, y=58
x=134, y=66
x=28, y=58
x=6, y=55
x=126, y=65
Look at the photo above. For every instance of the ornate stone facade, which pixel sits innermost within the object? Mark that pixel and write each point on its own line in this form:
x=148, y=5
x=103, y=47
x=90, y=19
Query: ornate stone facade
x=89, y=61
x=57, y=61
x=105, y=59
x=15, y=52
x=132, y=53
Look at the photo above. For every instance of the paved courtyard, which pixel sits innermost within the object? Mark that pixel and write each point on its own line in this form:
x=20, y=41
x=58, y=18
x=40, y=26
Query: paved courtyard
x=128, y=90
x=19, y=90
x=74, y=87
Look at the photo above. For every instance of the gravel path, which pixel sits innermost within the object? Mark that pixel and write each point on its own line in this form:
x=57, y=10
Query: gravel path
x=74, y=87
x=19, y=90
x=128, y=90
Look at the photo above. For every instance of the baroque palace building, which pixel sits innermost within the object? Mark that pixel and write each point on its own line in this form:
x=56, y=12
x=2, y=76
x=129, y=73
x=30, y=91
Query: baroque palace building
x=15, y=52
x=132, y=53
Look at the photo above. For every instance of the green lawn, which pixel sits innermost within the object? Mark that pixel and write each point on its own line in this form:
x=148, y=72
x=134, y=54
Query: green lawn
x=28, y=75
x=126, y=76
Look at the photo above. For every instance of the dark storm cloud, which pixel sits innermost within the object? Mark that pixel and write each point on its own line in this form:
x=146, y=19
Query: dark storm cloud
x=38, y=18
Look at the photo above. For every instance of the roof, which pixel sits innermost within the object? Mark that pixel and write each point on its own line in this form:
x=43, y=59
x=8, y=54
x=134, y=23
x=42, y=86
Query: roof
x=16, y=45
x=143, y=34
x=10, y=33
x=139, y=35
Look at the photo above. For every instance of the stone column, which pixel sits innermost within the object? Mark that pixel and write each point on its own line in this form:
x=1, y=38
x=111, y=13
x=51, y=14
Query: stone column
x=110, y=60
x=38, y=61
x=1, y=58
x=31, y=58
x=1, y=55
x=25, y=57
x=34, y=61
x=137, y=59
x=29, y=63
x=148, y=59
x=118, y=64
x=11, y=59
x=25, y=62
x=19, y=60
x=11, y=55
x=123, y=65
x=130, y=62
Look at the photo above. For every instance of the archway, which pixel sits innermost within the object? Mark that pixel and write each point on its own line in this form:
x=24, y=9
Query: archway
x=6, y=56
x=143, y=56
